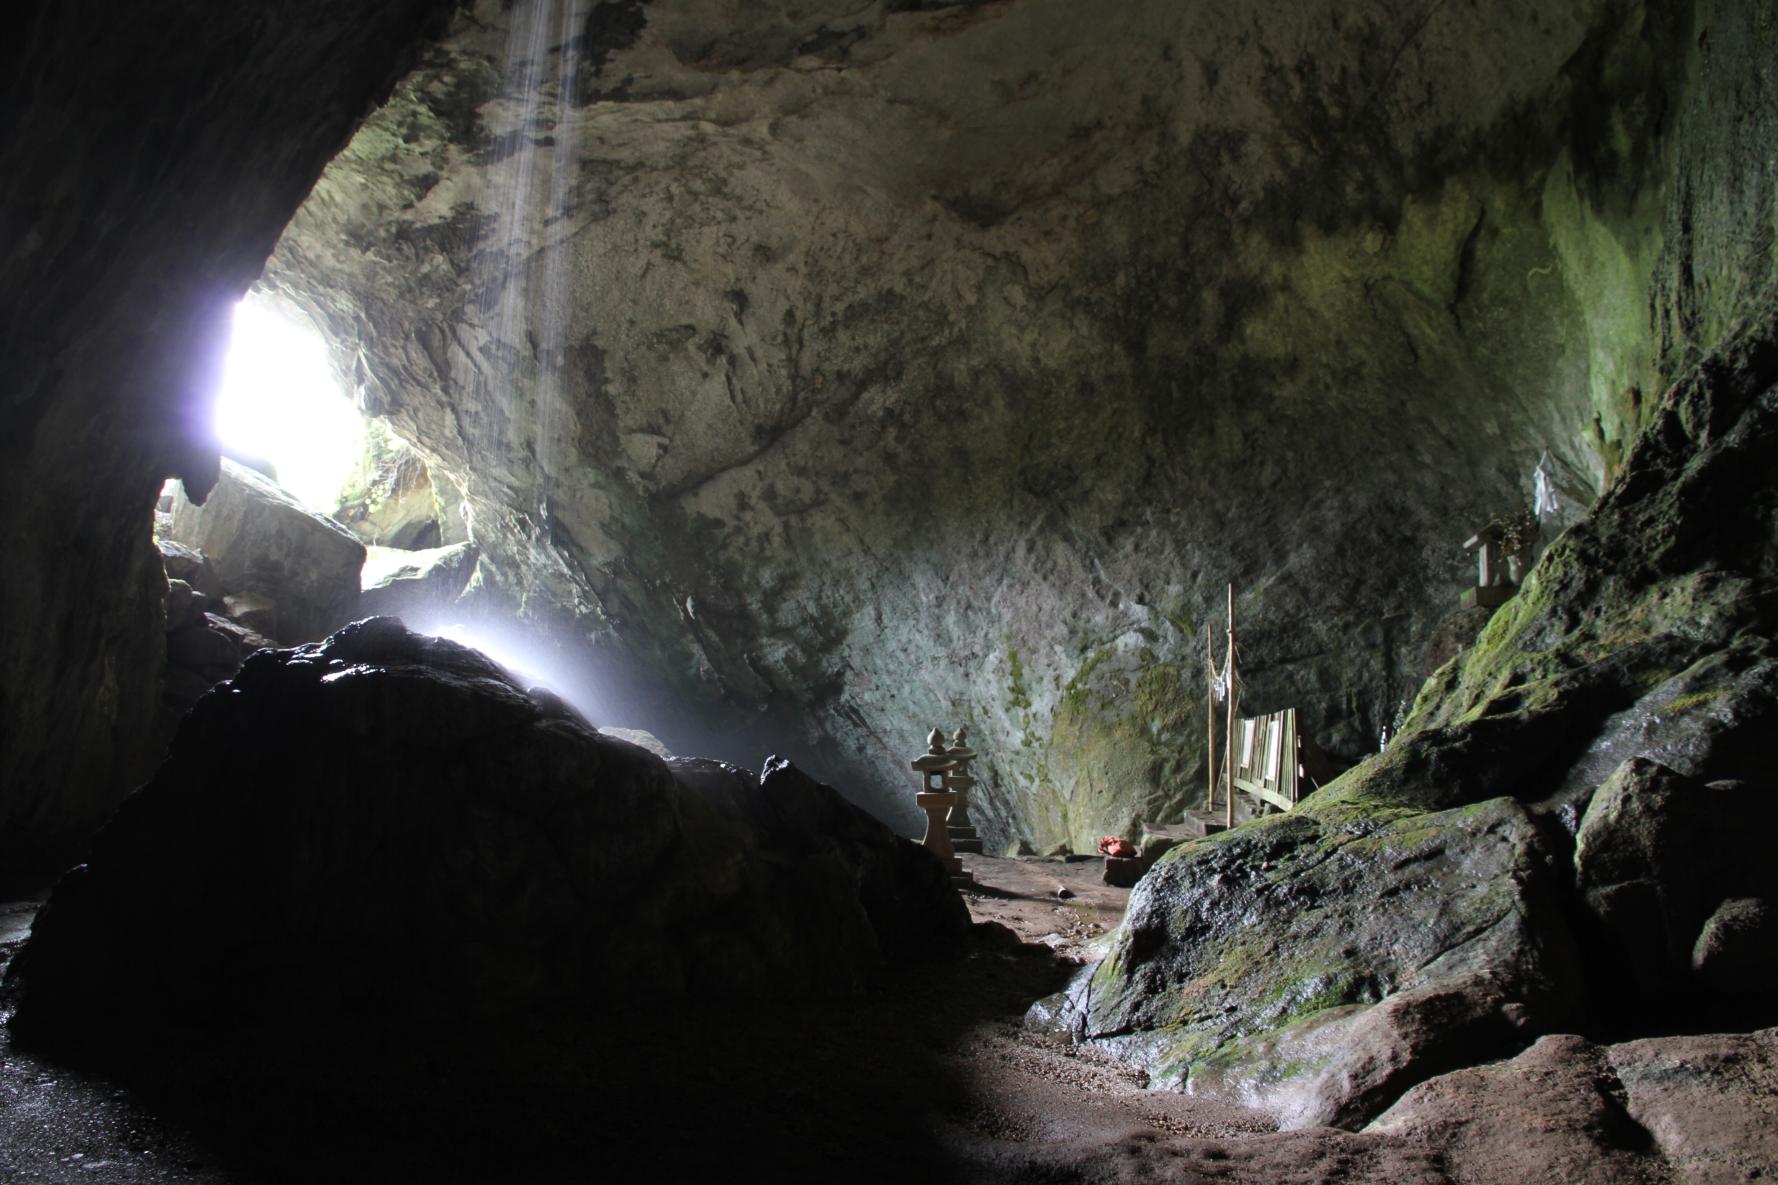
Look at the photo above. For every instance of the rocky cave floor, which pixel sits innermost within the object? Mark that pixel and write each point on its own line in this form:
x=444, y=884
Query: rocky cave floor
x=933, y=1079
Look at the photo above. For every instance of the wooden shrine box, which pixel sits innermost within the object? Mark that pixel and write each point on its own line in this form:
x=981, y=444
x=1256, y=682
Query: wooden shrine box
x=1273, y=760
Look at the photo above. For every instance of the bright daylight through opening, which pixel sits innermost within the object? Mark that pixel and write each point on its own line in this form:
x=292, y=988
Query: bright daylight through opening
x=281, y=403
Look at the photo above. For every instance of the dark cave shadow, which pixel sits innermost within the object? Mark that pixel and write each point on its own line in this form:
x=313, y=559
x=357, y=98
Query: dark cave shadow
x=851, y=1090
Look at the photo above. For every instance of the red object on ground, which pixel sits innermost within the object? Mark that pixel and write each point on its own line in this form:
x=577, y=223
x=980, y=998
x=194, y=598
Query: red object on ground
x=1117, y=845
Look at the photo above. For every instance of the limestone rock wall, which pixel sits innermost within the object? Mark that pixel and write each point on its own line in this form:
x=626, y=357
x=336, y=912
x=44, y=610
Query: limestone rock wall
x=875, y=368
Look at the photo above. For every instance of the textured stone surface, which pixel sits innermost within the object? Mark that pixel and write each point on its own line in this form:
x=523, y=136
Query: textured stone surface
x=1657, y=857
x=1555, y=1113
x=905, y=366
x=389, y=501
x=386, y=823
x=1737, y=948
x=1710, y=1102
x=423, y=584
x=265, y=545
x=151, y=158
x=1230, y=979
x=1687, y=1110
x=187, y=565
x=1317, y=967
x=1709, y=722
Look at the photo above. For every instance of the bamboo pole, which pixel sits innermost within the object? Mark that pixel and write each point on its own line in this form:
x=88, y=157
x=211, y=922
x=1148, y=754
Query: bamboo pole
x=1210, y=717
x=1228, y=673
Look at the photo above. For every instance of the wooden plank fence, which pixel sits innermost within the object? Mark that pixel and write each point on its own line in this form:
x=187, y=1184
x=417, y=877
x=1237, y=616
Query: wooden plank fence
x=1269, y=760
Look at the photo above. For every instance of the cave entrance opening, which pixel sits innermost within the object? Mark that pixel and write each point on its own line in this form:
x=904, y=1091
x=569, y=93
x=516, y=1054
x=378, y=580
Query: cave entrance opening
x=323, y=515
x=281, y=409
x=319, y=516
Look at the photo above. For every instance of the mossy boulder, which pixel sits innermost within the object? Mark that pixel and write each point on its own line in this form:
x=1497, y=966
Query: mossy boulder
x=1317, y=966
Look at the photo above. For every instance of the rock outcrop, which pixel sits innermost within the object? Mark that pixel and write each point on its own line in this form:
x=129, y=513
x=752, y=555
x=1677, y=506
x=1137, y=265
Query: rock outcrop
x=1230, y=974
x=151, y=159
x=1315, y=967
x=389, y=501
x=1681, y=1109
x=386, y=823
x=422, y=583
x=302, y=568
x=1677, y=875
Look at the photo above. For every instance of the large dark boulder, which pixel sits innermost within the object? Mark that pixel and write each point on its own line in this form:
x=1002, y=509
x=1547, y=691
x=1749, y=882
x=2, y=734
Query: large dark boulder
x=388, y=823
x=1675, y=873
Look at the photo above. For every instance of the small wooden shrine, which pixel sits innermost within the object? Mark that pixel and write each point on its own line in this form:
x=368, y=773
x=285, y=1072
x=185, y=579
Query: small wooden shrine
x=1503, y=551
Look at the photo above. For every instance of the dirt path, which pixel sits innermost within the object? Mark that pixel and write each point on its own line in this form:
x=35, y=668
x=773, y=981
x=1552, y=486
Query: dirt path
x=1062, y=904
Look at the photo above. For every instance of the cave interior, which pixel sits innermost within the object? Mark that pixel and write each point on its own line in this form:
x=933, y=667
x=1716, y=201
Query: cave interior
x=500, y=768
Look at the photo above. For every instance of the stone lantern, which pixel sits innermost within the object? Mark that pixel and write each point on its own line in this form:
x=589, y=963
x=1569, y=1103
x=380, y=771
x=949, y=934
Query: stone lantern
x=958, y=781
x=936, y=799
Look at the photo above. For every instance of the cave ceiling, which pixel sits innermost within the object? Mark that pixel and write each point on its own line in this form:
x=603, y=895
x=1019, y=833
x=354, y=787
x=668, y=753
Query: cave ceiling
x=820, y=372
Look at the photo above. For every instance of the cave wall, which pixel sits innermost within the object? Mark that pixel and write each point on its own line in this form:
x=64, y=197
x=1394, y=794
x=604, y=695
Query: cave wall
x=150, y=155
x=923, y=363
x=898, y=366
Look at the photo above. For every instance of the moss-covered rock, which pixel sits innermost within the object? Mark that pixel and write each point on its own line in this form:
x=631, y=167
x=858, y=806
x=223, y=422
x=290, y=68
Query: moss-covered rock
x=1317, y=966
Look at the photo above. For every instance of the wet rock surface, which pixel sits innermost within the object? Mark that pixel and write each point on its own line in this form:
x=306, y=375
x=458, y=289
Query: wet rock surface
x=387, y=823
x=424, y=583
x=1317, y=967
